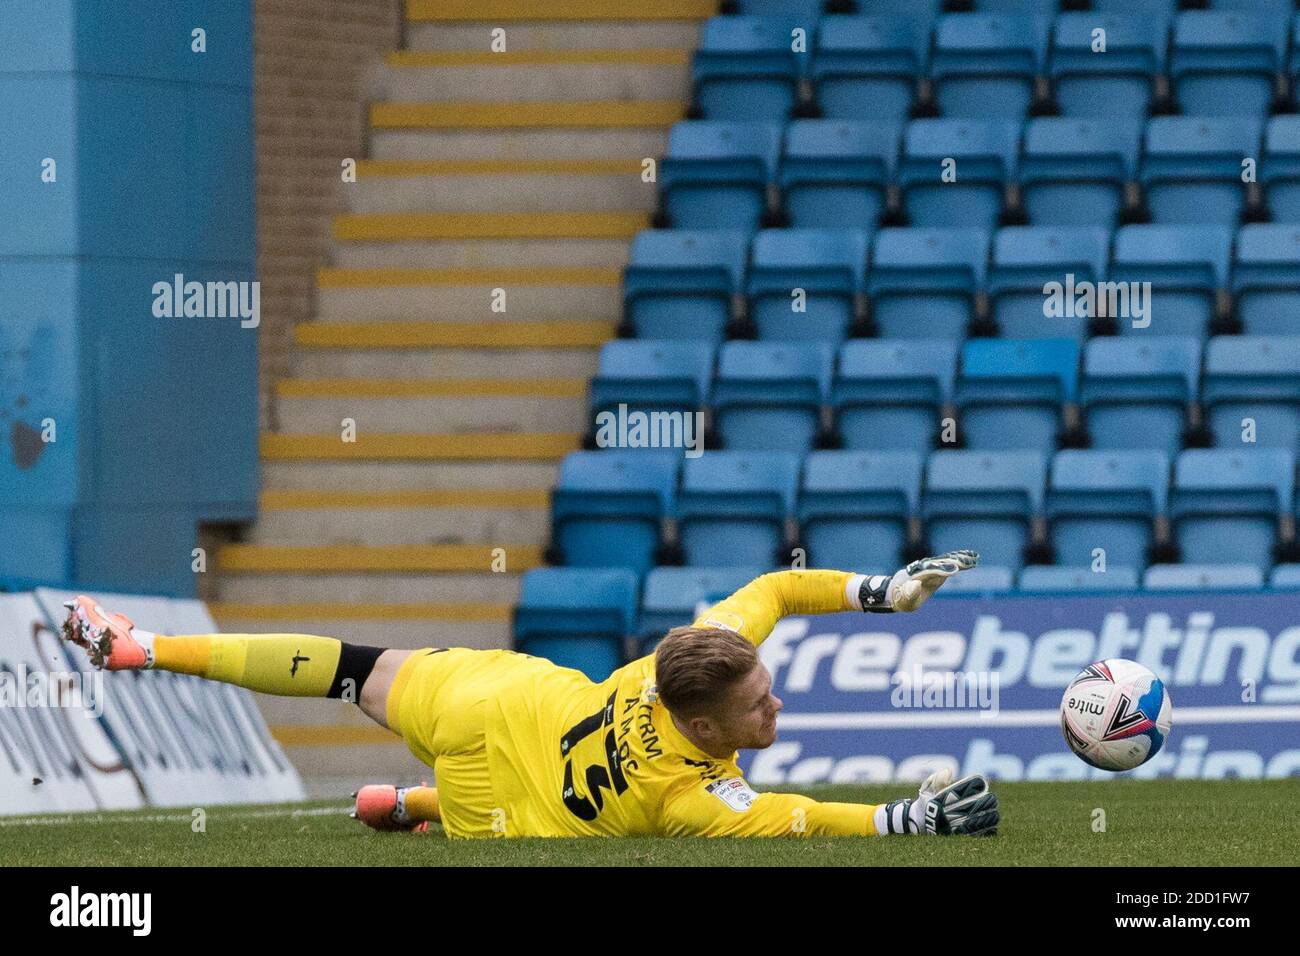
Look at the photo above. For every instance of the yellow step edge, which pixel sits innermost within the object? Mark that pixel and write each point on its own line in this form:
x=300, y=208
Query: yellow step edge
x=358, y=611
x=331, y=278
x=431, y=558
x=430, y=388
x=597, y=113
x=640, y=56
x=332, y=735
x=395, y=227
x=382, y=168
x=408, y=447
x=292, y=500
x=477, y=11
x=460, y=335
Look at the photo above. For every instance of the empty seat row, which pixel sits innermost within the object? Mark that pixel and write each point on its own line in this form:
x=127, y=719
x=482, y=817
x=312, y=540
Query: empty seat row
x=1021, y=282
x=854, y=509
x=596, y=619
x=957, y=172
x=991, y=64
x=928, y=10
x=1000, y=393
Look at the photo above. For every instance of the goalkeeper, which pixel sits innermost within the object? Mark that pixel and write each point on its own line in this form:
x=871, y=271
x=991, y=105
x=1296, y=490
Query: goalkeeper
x=521, y=747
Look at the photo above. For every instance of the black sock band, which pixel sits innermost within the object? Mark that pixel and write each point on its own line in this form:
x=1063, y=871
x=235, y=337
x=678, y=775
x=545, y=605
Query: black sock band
x=356, y=661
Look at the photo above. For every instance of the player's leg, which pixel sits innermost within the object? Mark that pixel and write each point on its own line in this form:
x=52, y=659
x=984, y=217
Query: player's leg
x=287, y=665
x=384, y=806
x=295, y=665
x=438, y=701
x=379, y=684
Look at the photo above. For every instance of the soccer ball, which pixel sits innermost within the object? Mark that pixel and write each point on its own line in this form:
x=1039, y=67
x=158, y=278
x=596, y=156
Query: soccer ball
x=1116, y=715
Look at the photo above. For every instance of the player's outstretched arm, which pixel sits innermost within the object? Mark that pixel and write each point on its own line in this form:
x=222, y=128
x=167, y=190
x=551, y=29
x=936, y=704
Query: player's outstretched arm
x=728, y=807
x=754, y=610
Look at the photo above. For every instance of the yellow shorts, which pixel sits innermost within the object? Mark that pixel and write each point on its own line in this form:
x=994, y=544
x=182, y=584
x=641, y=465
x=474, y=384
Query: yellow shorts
x=438, y=704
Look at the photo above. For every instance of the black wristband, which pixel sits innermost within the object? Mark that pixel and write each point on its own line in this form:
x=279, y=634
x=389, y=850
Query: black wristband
x=873, y=592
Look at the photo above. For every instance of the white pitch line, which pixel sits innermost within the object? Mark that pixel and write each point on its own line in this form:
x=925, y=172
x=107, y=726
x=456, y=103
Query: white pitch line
x=82, y=817
x=918, y=719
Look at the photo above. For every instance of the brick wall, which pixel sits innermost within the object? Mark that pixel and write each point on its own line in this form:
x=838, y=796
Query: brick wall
x=311, y=58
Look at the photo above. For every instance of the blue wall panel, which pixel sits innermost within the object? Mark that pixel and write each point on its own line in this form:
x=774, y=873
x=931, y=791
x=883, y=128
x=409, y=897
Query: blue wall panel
x=156, y=417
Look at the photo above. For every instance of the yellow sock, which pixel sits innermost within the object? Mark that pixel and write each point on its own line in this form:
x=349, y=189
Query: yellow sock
x=422, y=804
x=291, y=665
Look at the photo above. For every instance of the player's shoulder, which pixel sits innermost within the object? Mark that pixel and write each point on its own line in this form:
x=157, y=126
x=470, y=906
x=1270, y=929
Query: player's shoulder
x=694, y=774
x=641, y=672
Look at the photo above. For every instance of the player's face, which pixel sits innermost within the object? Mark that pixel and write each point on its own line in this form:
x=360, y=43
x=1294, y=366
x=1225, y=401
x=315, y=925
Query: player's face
x=749, y=717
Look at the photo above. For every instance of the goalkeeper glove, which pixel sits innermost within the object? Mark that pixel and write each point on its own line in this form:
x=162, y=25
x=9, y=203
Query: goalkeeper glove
x=912, y=586
x=943, y=808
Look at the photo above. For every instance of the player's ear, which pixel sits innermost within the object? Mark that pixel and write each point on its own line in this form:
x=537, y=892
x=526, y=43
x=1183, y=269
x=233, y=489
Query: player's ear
x=704, y=726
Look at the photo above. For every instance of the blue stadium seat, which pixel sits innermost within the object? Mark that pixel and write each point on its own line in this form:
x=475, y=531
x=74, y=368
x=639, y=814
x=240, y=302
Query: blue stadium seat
x=923, y=282
x=1280, y=170
x=828, y=265
x=888, y=394
x=983, y=500
x=924, y=12
x=577, y=617
x=1041, y=7
x=1074, y=171
x=673, y=596
x=1117, y=83
x=1266, y=278
x=1223, y=63
x=716, y=174
x=984, y=153
x=1254, y=377
x=1053, y=579
x=983, y=579
x=1293, y=62
x=1199, y=578
x=985, y=65
x=1285, y=577
x=1108, y=500
x=607, y=509
x=768, y=396
x=653, y=375
x=1150, y=8
x=854, y=506
x=745, y=68
x=1026, y=260
x=733, y=506
x=1225, y=504
x=1192, y=170
x=1010, y=391
x=1135, y=394
x=1277, y=9
x=679, y=284
x=835, y=173
x=866, y=67
x=1186, y=266
x=804, y=10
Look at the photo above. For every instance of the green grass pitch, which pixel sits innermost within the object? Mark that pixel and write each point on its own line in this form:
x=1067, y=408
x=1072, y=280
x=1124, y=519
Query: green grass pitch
x=1155, y=822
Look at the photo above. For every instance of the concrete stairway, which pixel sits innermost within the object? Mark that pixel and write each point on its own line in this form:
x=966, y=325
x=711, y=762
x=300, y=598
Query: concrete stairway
x=474, y=278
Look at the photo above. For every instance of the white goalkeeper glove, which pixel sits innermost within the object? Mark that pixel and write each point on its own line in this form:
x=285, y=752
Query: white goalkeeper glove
x=912, y=586
x=943, y=808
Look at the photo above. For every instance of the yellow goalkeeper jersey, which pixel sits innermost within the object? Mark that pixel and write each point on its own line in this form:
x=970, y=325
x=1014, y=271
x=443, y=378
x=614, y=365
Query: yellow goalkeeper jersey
x=567, y=757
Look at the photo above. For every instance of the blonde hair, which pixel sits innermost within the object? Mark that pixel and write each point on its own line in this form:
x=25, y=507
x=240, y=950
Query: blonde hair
x=695, y=666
